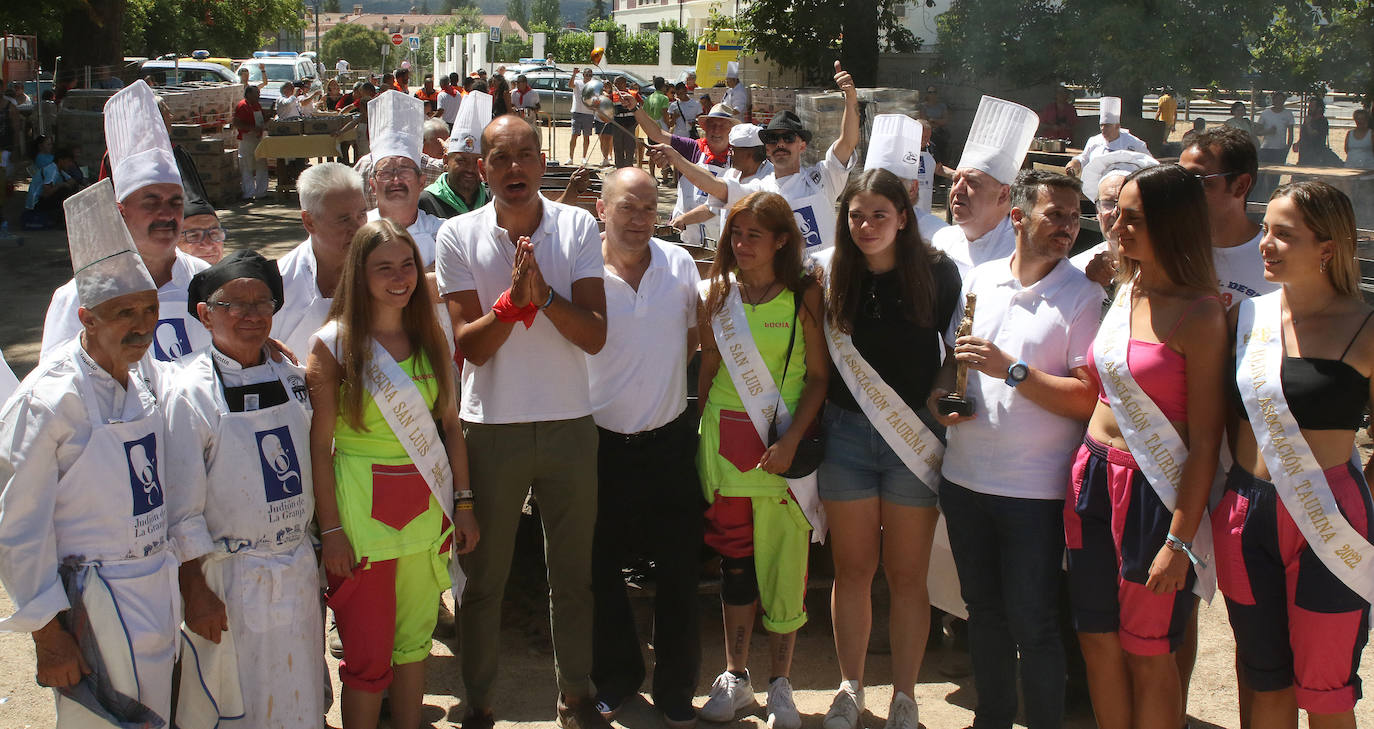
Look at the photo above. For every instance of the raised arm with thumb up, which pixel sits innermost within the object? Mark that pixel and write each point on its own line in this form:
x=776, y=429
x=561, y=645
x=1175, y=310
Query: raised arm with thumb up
x=849, y=128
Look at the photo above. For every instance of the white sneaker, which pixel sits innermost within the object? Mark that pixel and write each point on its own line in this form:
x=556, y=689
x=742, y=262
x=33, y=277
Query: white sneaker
x=729, y=694
x=903, y=714
x=845, y=708
x=782, y=710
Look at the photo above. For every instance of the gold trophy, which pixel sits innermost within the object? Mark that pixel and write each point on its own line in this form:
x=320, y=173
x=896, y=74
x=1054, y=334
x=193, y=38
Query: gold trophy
x=958, y=401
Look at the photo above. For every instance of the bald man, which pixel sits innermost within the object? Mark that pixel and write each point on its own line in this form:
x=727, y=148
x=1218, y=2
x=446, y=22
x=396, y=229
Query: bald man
x=646, y=436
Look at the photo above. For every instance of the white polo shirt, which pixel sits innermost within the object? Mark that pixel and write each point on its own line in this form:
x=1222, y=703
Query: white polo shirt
x=996, y=244
x=448, y=106
x=1240, y=272
x=1015, y=447
x=537, y=375
x=639, y=379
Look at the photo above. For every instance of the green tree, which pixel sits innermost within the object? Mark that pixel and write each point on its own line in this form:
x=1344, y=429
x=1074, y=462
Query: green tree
x=811, y=34
x=233, y=28
x=519, y=12
x=331, y=6
x=545, y=12
x=597, y=11
x=359, y=45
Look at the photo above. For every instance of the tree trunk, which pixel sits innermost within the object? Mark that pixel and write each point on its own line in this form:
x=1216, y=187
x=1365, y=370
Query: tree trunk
x=859, y=50
x=92, y=35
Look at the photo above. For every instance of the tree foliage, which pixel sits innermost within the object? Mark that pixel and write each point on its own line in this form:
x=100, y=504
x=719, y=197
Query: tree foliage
x=233, y=28
x=518, y=11
x=545, y=12
x=809, y=34
x=597, y=11
x=359, y=45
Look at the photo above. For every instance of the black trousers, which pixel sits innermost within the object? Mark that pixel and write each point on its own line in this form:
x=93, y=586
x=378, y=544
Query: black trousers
x=649, y=504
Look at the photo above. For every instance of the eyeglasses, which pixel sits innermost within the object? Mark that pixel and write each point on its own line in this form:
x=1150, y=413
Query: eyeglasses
x=1106, y=205
x=241, y=309
x=203, y=236
x=784, y=137
x=1204, y=178
x=396, y=173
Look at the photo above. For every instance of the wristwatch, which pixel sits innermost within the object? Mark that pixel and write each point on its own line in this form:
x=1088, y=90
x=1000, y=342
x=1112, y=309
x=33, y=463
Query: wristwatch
x=1017, y=373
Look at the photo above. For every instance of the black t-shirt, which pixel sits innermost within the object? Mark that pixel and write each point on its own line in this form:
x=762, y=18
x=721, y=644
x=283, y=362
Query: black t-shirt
x=906, y=355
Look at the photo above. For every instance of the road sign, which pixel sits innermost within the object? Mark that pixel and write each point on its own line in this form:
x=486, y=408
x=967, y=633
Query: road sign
x=495, y=34
x=397, y=39
x=386, y=50
x=414, y=42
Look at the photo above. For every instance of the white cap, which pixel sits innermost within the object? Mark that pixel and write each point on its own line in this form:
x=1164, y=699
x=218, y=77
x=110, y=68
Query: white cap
x=998, y=141
x=732, y=69
x=140, y=152
x=396, y=126
x=895, y=145
x=104, y=258
x=1122, y=160
x=473, y=116
x=745, y=135
x=1110, y=110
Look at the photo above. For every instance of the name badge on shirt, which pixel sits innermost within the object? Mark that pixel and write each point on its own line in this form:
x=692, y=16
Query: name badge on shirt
x=250, y=401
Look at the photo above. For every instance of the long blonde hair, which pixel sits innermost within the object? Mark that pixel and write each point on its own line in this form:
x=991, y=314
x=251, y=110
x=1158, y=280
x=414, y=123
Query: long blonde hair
x=1327, y=212
x=352, y=309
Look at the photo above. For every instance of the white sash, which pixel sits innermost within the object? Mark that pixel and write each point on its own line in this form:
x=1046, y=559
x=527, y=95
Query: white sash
x=1158, y=449
x=760, y=396
x=409, y=418
x=1295, y=473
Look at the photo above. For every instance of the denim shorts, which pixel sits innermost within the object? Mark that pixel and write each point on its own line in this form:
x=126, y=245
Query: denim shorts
x=859, y=464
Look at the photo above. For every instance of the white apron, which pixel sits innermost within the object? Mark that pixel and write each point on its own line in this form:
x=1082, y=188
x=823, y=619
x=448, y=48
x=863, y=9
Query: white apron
x=267, y=575
x=689, y=198
x=134, y=604
x=1294, y=471
x=1158, y=448
x=812, y=207
x=736, y=341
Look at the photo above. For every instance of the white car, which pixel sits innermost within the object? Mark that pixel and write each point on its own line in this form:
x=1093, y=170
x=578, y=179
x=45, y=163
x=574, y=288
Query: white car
x=278, y=69
x=169, y=73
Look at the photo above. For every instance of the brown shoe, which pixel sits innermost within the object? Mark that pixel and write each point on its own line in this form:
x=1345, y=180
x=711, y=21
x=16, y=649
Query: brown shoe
x=580, y=714
x=478, y=719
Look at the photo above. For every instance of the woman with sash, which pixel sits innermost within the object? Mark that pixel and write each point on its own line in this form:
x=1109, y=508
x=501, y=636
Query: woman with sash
x=888, y=297
x=1293, y=553
x=385, y=476
x=763, y=368
x=1135, y=514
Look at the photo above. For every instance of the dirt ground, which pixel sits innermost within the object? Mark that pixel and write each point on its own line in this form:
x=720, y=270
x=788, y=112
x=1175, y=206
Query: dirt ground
x=38, y=263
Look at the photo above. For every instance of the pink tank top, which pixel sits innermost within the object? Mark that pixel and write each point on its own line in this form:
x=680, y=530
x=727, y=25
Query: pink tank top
x=1160, y=371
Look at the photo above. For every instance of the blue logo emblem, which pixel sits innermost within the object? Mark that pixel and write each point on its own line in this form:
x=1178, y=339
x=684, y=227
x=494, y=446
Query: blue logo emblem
x=170, y=341
x=144, y=481
x=281, y=469
x=806, y=221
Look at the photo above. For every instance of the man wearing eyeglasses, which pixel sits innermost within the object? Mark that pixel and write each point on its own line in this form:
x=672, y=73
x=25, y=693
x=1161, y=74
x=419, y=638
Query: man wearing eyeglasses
x=1225, y=161
x=810, y=191
x=201, y=234
x=396, y=132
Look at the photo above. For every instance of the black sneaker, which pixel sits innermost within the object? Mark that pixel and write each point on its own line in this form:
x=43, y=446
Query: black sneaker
x=608, y=704
x=679, y=717
x=581, y=714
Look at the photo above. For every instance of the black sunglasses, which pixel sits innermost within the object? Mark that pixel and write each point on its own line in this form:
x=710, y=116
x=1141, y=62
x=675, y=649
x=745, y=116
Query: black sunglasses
x=775, y=137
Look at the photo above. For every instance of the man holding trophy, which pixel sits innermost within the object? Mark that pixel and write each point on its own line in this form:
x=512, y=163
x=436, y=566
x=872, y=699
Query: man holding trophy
x=1022, y=397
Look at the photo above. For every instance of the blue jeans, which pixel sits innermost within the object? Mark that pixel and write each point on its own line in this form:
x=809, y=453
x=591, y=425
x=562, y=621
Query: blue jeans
x=1008, y=552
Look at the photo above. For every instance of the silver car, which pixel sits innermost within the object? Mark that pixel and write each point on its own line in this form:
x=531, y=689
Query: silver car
x=555, y=88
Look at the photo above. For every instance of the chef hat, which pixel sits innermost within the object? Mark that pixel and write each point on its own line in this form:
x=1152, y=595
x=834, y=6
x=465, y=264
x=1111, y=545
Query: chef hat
x=732, y=69
x=1110, y=110
x=395, y=126
x=239, y=264
x=473, y=116
x=140, y=152
x=104, y=259
x=895, y=145
x=745, y=135
x=998, y=141
x=1122, y=160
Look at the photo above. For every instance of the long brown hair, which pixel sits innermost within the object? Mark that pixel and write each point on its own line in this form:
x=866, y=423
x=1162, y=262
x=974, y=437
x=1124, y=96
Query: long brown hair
x=775, y=215
x=1327, y=212
x=1175, y=209
x=914, y=257
x=352, y=309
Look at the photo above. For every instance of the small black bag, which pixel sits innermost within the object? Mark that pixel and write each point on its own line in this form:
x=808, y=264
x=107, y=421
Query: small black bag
x=811, y=449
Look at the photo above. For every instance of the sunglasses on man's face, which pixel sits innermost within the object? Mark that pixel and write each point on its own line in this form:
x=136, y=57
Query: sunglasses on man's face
x=784, y=137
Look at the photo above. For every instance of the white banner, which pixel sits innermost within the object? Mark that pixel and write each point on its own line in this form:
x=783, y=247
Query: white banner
x=1293, y=469
x=1158, y=449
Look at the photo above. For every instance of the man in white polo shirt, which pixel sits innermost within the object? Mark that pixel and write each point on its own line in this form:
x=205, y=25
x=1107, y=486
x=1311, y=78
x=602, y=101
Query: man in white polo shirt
x=523, y=281
x=980, y=199
x=1006, y=467
x=649, y=501
x=396, y=130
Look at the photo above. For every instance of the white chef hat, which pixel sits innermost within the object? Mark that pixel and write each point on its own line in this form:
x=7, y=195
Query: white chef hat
x=104, y=258
x=1110, y=110
x=396, y=126
x=745, y=135
x=732, y=69
x=473, y=116
x=998, y=141
x=895, y=145
x=140, y=152
x=1122, y=160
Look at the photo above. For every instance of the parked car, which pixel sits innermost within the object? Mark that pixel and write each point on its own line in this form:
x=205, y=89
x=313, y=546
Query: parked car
x=170, y=73
x=278, y=69
x=555, y=87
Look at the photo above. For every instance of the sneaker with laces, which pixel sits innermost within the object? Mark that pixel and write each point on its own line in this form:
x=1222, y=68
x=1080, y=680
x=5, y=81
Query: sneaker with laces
x=845, y=708
x=782, y=709
x=609, y=704
x=729, y=694
x=903, y=714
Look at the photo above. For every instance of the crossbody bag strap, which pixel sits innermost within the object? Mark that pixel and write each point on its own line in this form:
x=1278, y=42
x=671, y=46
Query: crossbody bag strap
x=787, y=358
